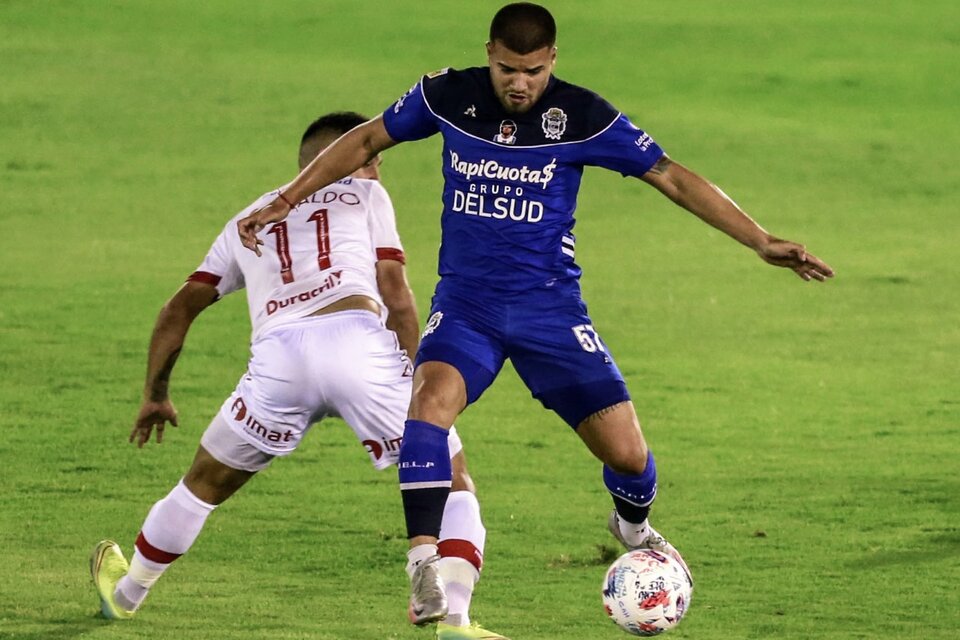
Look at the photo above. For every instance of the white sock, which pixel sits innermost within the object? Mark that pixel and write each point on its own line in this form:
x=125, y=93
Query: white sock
x=134, y=587
x=462, y=539
x=418, y=554
x=634, y=534
x=170, y=529
x=459, y=579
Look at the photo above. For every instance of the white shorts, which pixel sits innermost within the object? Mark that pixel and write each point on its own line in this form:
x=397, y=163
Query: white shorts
x=345, y=364
x=222, y=443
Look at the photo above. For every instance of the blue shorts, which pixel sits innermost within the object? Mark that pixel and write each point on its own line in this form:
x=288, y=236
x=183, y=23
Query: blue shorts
x=547, y=335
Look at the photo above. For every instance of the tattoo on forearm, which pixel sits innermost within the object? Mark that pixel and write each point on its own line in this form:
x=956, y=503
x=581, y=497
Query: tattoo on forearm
x=161, y=384
x=661, y=166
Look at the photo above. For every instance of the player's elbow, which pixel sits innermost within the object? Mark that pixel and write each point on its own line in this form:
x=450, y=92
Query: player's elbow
x=373, y=137
x=173, y=316
x=187, y=303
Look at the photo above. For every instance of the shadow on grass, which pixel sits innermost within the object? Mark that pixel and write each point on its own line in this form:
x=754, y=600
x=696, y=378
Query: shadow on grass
x=929, y=548
x=605, y=555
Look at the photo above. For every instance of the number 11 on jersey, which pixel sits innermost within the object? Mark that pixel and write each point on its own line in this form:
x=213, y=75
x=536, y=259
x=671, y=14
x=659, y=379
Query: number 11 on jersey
x=280, y=230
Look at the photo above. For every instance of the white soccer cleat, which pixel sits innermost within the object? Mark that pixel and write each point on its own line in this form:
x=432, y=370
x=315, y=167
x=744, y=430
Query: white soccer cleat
x=428, y=601
x=653, y=541
x=107, y=566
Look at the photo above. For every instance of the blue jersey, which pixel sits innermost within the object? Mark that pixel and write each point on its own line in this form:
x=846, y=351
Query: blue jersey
x=511, y=180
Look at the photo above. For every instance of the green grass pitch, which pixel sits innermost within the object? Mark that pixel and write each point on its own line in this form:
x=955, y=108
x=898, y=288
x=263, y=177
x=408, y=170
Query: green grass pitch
x=807, y=435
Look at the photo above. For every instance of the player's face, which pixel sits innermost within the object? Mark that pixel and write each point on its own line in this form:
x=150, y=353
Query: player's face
x=519, y=80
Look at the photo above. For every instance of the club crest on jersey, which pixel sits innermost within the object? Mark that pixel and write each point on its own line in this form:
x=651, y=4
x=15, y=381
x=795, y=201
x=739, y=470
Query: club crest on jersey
x=508, y=133
x=554, y=123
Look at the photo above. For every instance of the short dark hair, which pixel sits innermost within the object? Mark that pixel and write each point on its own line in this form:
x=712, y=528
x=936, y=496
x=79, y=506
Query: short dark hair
x=524, y=27
x=336, y=123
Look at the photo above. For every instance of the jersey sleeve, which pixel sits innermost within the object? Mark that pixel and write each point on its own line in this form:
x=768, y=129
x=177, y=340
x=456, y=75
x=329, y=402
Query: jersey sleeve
x=410, y=117
x=220, y=267
x=383, y=226
x=622, y=147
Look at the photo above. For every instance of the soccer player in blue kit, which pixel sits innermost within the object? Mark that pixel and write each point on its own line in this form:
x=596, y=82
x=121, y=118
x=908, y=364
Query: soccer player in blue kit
x=515, y=142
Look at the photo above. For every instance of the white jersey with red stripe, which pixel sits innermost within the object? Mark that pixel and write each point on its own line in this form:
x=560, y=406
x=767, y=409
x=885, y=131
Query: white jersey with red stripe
x=325, y=250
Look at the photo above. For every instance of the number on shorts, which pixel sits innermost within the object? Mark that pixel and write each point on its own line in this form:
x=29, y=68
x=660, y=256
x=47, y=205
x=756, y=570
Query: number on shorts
x=588, y=338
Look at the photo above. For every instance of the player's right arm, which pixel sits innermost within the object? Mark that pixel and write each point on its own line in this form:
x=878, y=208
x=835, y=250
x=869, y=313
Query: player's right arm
x=169, y=332
x=218, y=275
x=350, y=152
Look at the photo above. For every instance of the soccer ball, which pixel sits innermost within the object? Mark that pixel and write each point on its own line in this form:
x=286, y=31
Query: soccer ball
x=646, y=592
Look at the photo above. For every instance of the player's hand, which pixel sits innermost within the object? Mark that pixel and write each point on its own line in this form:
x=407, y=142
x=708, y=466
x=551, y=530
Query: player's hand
x=153, y=415
x=253, y=223
x=783, y=253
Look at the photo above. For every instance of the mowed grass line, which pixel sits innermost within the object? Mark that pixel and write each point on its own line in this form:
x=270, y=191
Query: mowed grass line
x=806, y=436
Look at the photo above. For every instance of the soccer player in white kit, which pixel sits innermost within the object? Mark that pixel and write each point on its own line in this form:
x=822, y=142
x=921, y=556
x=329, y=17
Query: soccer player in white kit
x=334, y=330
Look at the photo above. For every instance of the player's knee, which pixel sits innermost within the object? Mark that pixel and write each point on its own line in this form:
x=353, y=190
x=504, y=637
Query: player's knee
x=439, y=394
x=205, y=486
x=211, y=480
x=628, y=459
x=435, y=405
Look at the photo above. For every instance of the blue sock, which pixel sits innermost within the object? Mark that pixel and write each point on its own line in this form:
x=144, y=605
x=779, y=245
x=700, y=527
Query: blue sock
x=425, y=477
x=632, y=495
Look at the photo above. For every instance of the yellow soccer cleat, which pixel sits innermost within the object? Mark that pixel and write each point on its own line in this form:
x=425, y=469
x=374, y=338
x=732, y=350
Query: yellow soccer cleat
x=107, y=566
x=473, y=632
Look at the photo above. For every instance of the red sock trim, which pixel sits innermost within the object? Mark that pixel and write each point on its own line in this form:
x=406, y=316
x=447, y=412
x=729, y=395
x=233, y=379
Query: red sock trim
x=454, y=548
x=153, y=554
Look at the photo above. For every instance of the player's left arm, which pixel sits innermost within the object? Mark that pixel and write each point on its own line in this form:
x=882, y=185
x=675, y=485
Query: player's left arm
x=169, y=333
x=397, y=295
x=713, y=206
